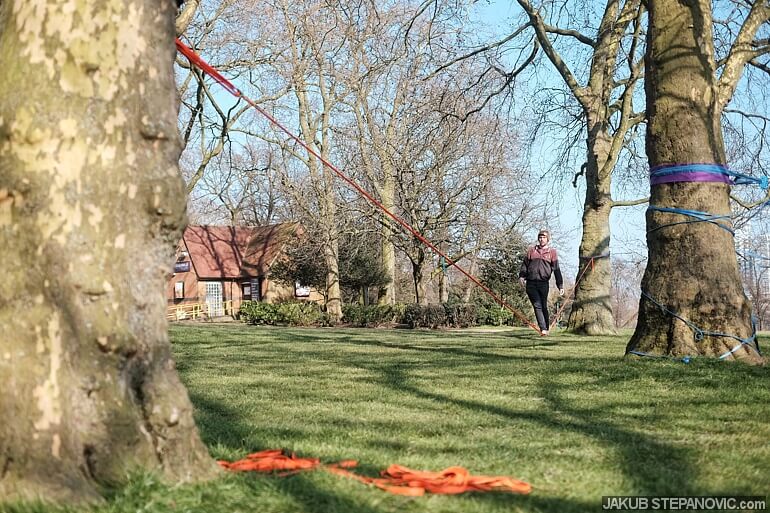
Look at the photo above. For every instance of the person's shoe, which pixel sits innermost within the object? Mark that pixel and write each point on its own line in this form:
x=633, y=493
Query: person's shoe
x=543, y=332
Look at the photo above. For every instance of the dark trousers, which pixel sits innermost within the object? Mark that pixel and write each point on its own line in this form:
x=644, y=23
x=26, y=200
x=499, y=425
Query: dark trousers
x=537, y=292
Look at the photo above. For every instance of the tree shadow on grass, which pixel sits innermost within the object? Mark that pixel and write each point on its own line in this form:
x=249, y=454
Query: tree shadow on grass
x=306, y=492
x=476, y=351
x=222, y=426
x=642, y=457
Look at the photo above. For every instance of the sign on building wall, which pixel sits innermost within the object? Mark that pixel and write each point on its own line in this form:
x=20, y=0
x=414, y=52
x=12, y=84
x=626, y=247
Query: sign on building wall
x=182, y=267
x=301, y=290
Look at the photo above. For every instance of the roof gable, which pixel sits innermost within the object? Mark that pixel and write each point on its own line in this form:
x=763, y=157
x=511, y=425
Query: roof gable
x=265, y=245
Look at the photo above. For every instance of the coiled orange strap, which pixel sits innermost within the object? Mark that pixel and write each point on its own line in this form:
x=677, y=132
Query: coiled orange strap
x=395, y=479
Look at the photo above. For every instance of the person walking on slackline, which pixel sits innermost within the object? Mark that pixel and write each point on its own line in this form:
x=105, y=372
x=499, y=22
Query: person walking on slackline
x=539, y=263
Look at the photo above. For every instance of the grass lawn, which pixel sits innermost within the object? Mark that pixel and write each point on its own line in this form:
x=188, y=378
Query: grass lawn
x=567, y=414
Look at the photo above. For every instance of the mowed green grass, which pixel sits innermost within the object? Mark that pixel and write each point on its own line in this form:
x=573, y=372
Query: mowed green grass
x=568, y=414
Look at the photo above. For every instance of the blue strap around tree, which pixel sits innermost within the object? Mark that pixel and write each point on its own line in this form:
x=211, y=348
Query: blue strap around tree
x=696, y=214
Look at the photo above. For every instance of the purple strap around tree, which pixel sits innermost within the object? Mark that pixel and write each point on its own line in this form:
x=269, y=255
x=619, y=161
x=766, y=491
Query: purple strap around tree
x=670, y=173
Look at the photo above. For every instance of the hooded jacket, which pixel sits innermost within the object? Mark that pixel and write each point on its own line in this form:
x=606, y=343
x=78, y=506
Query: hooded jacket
x=539, y=263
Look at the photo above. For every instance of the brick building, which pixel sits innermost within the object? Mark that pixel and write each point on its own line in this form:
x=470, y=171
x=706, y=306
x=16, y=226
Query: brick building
x=222, y=266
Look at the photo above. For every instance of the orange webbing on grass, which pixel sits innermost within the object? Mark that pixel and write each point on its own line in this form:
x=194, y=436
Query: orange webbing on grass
x=270, y=461
x=396, y=479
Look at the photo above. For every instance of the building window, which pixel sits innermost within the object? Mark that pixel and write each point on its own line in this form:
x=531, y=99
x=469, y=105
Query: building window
x=246, y=291
x=179, y=290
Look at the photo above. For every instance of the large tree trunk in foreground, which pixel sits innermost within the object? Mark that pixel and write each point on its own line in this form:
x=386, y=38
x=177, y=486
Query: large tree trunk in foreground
x=91, y=204
x=692, y=267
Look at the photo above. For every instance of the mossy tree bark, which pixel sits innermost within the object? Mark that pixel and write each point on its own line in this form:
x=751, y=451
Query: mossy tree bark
x=692, y=268
x=91, y=205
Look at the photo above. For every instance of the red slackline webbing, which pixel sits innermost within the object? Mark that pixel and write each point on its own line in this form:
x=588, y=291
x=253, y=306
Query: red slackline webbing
x=197, y=61
x=395, y=479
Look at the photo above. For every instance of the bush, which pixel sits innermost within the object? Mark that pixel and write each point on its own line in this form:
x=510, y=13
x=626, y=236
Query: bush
x=494, y=315
x=461, y=315
x=254, y=312
x=371, y=315
x=293, y=313
x=411, y=315
x=304, y=313
x=425, y=316
x=299, y=313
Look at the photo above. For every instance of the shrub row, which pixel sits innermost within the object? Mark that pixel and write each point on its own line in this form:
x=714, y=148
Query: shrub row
x=456, y=315
x=373, y=315
x=292, y=313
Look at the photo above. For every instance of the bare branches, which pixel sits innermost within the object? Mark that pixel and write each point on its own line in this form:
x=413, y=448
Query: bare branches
x=760, y=66
x=536, y=20
x=627, y=118
x=742, y=51
x=479, y=50
x=509, y=78
x=753, y=204
x=571, y=33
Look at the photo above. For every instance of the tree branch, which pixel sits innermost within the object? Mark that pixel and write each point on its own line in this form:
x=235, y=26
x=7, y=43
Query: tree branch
x=509, y=77
x=571, y=33
x=629, y=203
x=749, y=206
x=184, y=18
x=479, y=50
x=536, y=20
x=760, y=66
x=741, y=52
x=627, y=118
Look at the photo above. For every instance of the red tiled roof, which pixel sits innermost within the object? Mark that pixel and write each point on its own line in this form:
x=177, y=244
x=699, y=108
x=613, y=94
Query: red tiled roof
x=265, y=245
x=235, y=251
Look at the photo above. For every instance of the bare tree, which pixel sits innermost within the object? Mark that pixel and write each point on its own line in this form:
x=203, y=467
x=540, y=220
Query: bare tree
x=210, y=122
x=454, y=180
x=243, y=187
x=606, y=100
x=382, y=75
x=600, y=66
x=91, y=204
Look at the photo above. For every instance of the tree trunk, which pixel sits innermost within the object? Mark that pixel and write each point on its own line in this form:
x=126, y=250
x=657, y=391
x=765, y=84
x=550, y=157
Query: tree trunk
x=692, y=269
x=591, y=312
x=388, y=292
x=331, y=249
x=91, y=206
x=443, y=287
x=333, y=294
x=468, y=285
x=418, y=278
